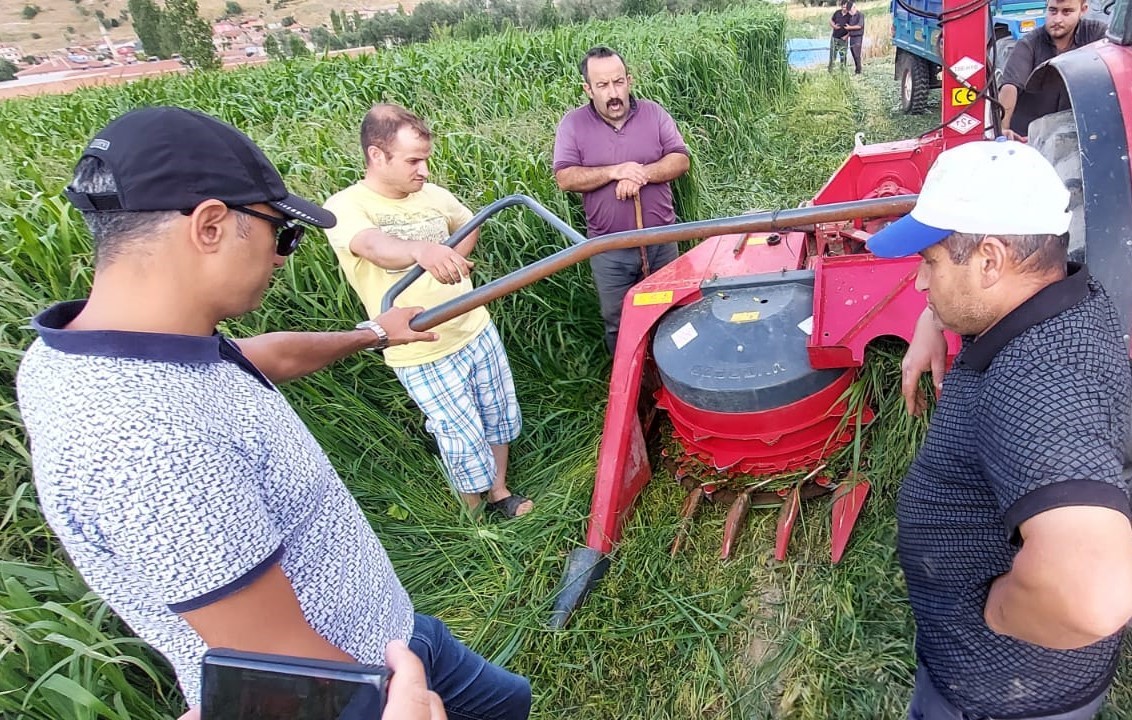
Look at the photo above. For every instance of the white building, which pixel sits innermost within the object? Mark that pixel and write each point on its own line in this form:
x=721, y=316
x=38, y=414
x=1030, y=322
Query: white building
x=11, y=53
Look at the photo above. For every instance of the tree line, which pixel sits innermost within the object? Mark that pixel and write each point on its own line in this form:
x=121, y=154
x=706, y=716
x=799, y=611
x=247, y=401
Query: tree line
x=471, y=19
x=175, y=29
x=178, y=30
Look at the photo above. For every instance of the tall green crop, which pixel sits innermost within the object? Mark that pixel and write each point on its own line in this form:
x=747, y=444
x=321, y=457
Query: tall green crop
x=493, y=105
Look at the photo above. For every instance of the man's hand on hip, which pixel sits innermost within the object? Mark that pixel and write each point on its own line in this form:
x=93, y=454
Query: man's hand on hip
x=627, y=189
x=631, y=171
x=442, y=262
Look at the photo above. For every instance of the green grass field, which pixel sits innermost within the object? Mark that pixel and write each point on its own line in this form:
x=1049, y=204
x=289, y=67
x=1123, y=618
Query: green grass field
x=661, y=637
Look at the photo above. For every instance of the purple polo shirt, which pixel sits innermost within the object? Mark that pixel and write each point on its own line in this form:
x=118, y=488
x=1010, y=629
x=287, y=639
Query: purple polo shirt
x=585, y=139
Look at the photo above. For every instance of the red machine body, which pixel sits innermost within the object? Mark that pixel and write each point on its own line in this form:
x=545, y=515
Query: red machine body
x=857, y=298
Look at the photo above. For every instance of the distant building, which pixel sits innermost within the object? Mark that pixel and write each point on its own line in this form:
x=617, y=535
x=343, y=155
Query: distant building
x=11, y=53
x=226, y=34
x=390, y=8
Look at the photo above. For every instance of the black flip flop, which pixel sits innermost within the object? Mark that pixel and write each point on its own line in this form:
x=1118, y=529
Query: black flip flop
x=508, y=506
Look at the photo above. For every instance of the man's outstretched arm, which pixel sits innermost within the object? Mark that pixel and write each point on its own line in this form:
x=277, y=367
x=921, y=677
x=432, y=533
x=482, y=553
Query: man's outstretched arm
x=1014, y=77
x=283, y=356
x=1008, y=98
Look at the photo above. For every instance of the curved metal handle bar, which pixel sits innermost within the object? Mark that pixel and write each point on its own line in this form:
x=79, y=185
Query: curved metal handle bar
x=478, y=219
x=756, y=222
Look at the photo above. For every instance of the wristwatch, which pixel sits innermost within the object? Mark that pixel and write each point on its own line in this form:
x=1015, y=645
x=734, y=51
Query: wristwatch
x=382, y=336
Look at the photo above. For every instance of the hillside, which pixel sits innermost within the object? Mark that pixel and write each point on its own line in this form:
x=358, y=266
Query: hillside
x=73, y=22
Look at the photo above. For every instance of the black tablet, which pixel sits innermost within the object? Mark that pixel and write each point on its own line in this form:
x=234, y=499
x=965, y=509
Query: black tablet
x=254, y=686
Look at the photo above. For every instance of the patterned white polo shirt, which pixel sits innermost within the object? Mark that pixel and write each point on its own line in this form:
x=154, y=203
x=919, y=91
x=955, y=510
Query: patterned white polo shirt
x=175, y=474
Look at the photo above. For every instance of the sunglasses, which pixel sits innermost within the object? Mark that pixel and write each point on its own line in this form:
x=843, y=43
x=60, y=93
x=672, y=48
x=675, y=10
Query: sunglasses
x=288, y=233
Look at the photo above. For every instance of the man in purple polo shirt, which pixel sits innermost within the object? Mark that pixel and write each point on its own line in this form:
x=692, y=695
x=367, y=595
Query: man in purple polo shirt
x=619, y=151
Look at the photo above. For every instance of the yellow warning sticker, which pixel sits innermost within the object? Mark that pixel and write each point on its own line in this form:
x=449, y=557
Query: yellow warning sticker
x=653, y=298
x=756, y=241
x=745, y=317
x=962, y=96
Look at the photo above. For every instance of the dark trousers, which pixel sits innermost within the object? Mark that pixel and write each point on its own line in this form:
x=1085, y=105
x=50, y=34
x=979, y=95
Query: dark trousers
x=471, y=687
x=838, y=50
x=615, y=272
x=928, y=704
x=855, y=48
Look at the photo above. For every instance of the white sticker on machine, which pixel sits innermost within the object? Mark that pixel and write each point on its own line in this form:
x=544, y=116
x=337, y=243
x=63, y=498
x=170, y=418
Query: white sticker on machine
x=966, y=67
x=684, y=335
x=964, y=124
x=807, y=325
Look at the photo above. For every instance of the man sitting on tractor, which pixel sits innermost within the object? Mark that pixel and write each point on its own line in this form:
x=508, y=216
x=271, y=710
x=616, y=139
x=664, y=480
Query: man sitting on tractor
x=1065, y=29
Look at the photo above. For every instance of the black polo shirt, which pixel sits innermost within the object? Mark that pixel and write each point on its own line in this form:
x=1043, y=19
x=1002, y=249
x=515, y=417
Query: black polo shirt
x=1035, y=48
x=841, y=17
x=1033, y=417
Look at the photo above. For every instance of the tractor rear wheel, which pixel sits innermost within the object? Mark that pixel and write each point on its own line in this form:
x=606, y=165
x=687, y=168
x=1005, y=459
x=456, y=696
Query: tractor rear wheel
x=1055, y=137
x=915, y=76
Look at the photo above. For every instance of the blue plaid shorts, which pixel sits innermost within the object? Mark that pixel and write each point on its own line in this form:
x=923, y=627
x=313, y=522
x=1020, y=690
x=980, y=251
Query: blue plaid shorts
x=469, y=401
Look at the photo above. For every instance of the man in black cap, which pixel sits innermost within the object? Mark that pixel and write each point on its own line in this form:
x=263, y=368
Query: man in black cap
x=188, y=493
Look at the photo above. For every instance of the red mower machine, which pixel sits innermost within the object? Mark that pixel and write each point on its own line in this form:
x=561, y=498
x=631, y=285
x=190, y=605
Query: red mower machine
x=753, y=336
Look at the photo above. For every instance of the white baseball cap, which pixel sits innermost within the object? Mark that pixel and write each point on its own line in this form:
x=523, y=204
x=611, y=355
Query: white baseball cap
x=986, y=187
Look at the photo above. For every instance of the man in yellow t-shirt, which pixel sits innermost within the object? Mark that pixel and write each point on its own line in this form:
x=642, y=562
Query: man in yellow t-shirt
x=390, y=221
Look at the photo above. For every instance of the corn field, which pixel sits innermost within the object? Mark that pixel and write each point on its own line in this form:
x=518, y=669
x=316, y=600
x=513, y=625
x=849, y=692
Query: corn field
x=683, y=637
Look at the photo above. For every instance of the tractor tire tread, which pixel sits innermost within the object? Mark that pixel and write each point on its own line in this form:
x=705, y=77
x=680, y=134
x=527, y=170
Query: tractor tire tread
x=915, y=80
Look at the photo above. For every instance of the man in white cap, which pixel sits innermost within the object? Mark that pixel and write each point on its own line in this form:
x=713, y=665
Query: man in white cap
x=1014, y=532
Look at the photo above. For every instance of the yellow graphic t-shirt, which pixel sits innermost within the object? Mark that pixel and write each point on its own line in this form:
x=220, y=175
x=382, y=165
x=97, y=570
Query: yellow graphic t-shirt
x=431, y=214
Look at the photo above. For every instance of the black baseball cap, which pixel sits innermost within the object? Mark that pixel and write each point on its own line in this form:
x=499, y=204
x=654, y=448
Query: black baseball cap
x=170, y=158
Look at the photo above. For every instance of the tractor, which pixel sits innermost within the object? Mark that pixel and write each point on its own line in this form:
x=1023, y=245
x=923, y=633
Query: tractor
x=750, y=340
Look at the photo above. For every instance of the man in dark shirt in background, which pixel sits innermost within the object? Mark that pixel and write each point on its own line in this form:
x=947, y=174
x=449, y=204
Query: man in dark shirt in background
x=848, y=32
x=839, y=37
x=621, y=152
x=1013, y=520
x=1065, y=29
